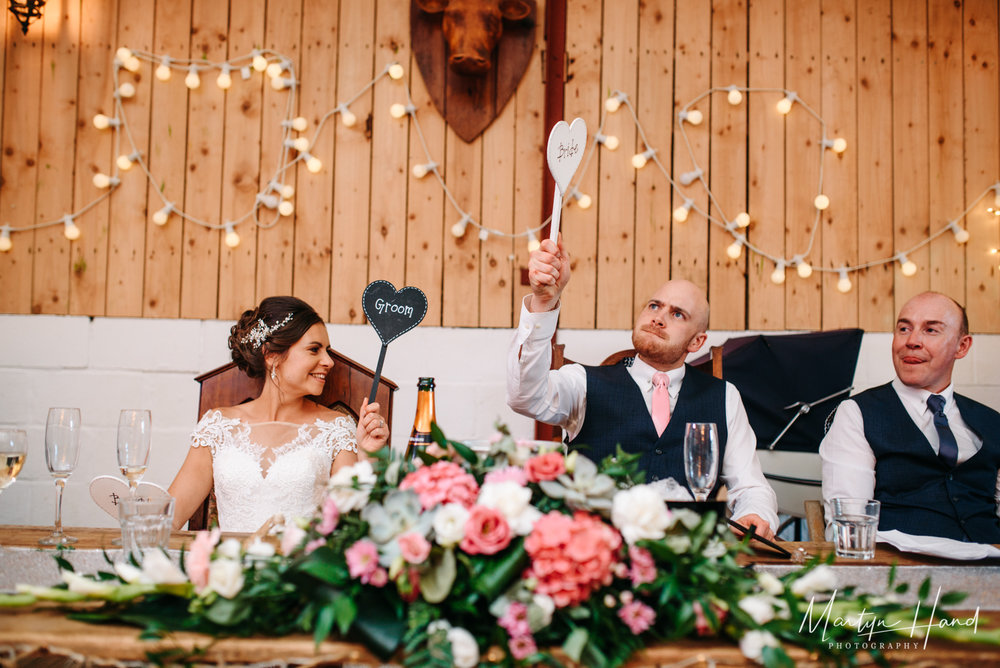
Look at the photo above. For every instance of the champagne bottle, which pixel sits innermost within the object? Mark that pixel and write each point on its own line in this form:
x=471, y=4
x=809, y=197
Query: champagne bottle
x=420, y=437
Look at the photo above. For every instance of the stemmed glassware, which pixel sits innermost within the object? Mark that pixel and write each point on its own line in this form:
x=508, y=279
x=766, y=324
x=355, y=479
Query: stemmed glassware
x=134, y=428
x=62, y=450
x=701, y=457
x=13, y=452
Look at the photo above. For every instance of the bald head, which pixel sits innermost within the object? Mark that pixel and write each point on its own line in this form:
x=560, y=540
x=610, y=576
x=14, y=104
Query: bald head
x=694, y=297
x=671, y=325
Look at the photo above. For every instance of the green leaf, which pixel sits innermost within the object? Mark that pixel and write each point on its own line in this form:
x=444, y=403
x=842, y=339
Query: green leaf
x=902, y=587
x=776, y=657
x=501, y=572
x=575, y=642
x=228, y=611
x=464, y=451
x=324, y=623
x=16, y=600
x=953, y=597
x=436, y=582
x=346, y=611
x=63, y=564
x=324, y=564
x=925, y=589
x=892, y=575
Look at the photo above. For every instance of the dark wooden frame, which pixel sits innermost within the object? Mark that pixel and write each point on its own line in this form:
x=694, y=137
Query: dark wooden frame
x=348, y=384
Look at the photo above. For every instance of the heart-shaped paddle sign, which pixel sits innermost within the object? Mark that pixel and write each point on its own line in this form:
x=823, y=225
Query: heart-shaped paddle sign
x=565, y=151
x=106, y=490
x=393, y=312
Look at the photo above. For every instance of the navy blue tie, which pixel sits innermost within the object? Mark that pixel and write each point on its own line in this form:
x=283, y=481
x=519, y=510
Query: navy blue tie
x=949, y=446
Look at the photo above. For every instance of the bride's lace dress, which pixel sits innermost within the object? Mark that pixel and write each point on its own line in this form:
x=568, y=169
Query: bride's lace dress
x=271, y=467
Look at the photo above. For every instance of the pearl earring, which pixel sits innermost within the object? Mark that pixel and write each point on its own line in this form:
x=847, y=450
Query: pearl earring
x=274, y=373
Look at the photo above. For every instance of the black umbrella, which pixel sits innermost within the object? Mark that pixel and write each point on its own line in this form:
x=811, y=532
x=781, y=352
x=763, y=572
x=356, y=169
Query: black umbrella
x=791, y=383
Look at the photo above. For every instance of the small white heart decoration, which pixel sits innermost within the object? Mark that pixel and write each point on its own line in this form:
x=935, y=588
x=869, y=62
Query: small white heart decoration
x=105, y=490
x=565, y=151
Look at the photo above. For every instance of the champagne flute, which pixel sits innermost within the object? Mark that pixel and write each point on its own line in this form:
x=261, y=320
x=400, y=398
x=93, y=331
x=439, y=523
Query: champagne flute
x=134, y=429
x=62, y=450
x=13, y=452
x=701, y=457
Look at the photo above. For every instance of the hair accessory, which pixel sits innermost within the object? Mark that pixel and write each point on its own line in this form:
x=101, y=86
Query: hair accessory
x=261, y=331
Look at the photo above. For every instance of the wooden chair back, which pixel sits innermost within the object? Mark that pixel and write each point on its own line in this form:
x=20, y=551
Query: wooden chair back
x=347, y=385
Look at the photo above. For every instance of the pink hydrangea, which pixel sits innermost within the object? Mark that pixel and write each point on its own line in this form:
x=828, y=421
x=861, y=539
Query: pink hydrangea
x=331, y=515
x=571, y=556
x=549, y=466
x=643, y=567
x=637, y=616
x=522, y=647
x=313, y=545
x=442, y=482
x=486, y=531
x=379, y=578
x=414, y=547
x=508, y=473
x=199, y=557
x=515, y=620
x=362, y=560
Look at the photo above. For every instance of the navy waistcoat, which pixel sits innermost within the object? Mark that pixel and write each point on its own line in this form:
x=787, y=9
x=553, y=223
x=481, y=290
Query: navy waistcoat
x=921, y=494
x=616, y=413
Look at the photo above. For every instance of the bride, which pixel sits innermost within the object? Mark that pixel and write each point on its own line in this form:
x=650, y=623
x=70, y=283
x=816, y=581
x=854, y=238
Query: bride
x=274, y=454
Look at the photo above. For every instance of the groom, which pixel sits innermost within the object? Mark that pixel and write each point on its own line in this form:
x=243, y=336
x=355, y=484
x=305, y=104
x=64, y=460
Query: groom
x=641, y=403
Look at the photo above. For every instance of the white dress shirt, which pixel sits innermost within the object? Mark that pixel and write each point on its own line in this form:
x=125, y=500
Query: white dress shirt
x=848, y=460
x=559, y=397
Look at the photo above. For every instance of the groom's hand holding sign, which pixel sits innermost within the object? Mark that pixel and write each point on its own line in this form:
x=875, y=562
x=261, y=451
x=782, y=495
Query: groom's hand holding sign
x=548, y=274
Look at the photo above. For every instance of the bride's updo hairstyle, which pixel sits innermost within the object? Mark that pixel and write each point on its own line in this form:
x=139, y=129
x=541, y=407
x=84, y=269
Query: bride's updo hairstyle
x=273, y=327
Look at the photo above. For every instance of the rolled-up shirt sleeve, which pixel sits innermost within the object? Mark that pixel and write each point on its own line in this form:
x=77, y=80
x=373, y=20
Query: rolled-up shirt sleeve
x=556, y=397
x=748, y=490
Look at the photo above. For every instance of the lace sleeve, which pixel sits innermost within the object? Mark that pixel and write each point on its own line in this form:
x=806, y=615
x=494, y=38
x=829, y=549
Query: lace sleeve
x=211, y=430
x=339, y=434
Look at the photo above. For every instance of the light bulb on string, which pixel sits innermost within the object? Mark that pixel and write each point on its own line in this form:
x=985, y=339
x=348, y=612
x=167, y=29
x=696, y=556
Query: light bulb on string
x=258, y=62
x=275, y=69
x=838, y=145
x=803, y=268
x=102, y=122
x=163, y=69
x=687, y=178
x=735, y=249
x=133, y=64
x=778, y=275
x=286, y=208
x=299, y=124
x=161, y=216
x=735, y=96
x=102, y=180
x=70, y=230
x=5, y=243
x=693, y=116
x=484, y=234
x=609, y=142
x=192, y=80
x=347, y=117
x=300, y=144
x=399, y=110
x=582, y=200
x=533, y=242
x=122, y=54
x=844, y=282
x=396, y=71
x=961, y=235
x=742, y=219
x=126, y=90
x=995, y=209
x=224, y=80
x=821, y=202
x=270, y=201
x=639, y=160
x=615, y=101
x=784, y=105
x=681, y=213
x=286, y=190
x=232, y=237
x=906, y=266
x=124, y=162
x=458, y=229
x=421, y=170
x=313, y=164
x=281, y=83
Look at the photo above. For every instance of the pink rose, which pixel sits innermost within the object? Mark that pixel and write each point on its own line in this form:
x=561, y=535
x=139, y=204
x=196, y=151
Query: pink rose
x=379, y=578
x=643, y=567
x=313, y=544
x=515, y=620
x=331, y=515
x=199, y=557
x=414, y=547
x=486, y=531
x=362, y=560
x=545, y=467
x=442, y=482
x=522, y=647
x=637, y=616
x=291, y=538
x=508, y=473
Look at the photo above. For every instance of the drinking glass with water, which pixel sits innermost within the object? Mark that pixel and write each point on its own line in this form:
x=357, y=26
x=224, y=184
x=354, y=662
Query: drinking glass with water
x=855, y=523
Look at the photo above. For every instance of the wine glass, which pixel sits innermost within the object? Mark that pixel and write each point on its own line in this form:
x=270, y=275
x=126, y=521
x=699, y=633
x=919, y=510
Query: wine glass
x=701, y=457
x=134, y=428
x=13, y=452
x=62, y=450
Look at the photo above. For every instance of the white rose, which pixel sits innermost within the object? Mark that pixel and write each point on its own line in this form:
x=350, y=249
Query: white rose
x=769, y=584
x=341, y=486
x=260, y=549
x=640, y=514
x=761, y=608
x=540, y=611
x=160, y=570
x=680, y=543
x=79, y=584
x=752, y=644
x=229, y=548
x=449, y=524
x=464, y=650
x=514, y=501
x=225, y=576
x=715, y=548
x=131, y=574
x=821, y=578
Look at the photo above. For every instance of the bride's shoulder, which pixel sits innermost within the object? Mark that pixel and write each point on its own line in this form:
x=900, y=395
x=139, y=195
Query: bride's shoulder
x=337, y=415
x=214, y=426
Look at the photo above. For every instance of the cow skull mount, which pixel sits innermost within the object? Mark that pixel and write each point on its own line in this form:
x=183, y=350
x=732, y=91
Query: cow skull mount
x=472, y=28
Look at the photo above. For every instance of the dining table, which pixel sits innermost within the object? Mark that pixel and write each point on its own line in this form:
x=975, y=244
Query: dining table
x=43, y=635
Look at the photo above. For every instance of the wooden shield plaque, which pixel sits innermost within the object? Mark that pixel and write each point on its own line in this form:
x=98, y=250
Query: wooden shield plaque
x=470, y=103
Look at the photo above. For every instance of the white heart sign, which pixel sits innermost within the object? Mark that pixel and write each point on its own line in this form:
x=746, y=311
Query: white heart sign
x=565, y=151
x=106, y=490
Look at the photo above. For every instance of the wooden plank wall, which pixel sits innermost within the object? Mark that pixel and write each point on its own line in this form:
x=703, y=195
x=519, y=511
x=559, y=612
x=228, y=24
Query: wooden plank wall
x=912, y=86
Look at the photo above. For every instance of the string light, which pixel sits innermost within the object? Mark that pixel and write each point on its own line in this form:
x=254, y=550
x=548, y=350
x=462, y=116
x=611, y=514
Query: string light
x=839, y=145
x=224, y=80
x=844, y=283
x=742, y=219
x=735, y=249
x=639, y=160
x=785, y=104
x=286, y=190
x=102, y=180
x=270, y=201
x=803, y=268
x=161, y=216
x=275, y=69
x=906, y=266
x=396, y=71
x=124, y=162
x=681, y=213
x=232, y=238
x=995, y=209
x=300, y=144
x=734, y=96
x=822, y=202
x=609, y=142
x=192, y=80
x=347, y=117
x=533, y=242
x=458, y=229
x=281, y=83
x=258, y=61
x=687, y=178
x=70, y=230
x=299, y=124
x=583, y=200
x=286, y=208
x=694, y=117
x=163, y=69
x=961, y=235
x=778, y=275
x=399, y=110
x=126, y=90
x=5, y=243
x=484, y=234
x=421, y=170
x=615, y=101
x=313, y=164
x=102, y=122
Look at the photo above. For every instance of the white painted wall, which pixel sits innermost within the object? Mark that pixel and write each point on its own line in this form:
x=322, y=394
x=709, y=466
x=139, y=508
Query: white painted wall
x=102, y=365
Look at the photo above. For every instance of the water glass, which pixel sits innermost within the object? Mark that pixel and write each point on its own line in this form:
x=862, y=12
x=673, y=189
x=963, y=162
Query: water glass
x=855, y=523
x=145, y=523
x=13, y=452
x=62, y=450
x=701, y=457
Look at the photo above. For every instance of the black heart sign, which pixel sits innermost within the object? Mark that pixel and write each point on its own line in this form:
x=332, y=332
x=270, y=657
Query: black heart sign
x=393, y=312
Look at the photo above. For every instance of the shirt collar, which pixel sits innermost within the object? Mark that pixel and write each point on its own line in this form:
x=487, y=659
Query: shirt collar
x=917, y=397
x=643, y=375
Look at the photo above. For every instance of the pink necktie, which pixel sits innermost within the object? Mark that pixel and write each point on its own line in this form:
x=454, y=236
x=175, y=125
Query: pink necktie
x=661, y=402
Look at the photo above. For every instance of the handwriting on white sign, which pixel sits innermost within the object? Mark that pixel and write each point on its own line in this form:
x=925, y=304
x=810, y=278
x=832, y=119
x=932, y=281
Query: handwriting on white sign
x=567, y=150
x=382, y=306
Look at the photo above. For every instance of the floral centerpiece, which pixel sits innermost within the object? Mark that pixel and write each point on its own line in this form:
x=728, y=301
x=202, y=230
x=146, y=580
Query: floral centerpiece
x=492, y=558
